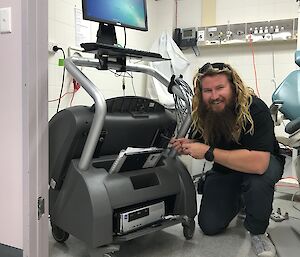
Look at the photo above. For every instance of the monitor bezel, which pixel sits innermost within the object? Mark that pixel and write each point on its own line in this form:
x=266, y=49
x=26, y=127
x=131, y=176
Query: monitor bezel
x=119, y=24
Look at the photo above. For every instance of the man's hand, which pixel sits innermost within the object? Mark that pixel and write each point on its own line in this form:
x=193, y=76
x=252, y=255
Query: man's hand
x=178, y=142
x=196, y=150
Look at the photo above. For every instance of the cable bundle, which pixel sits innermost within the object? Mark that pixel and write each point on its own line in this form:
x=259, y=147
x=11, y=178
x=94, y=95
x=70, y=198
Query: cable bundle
x=182, y=98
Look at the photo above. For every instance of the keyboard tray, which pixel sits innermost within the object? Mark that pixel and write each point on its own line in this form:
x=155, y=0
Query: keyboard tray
x=115, y=51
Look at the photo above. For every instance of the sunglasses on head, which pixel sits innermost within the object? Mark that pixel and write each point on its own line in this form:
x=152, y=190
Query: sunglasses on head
x=208, y=66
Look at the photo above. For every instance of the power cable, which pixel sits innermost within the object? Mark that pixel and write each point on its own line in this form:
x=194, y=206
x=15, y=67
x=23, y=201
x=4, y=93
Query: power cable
x=182, y=108
x=133, y=88
x=254, y=66
x=55, y=49
x=273, y=65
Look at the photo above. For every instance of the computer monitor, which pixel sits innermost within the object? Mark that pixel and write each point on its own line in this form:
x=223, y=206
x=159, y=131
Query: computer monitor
x=109, y=13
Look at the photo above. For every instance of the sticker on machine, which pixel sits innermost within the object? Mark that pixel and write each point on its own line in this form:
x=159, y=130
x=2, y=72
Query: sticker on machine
x=152, y=160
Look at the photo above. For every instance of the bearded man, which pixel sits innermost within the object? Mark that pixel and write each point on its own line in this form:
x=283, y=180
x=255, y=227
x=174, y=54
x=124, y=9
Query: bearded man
x=234, y=129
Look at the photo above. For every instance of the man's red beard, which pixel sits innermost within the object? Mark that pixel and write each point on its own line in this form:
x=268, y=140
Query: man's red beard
x=218, y=126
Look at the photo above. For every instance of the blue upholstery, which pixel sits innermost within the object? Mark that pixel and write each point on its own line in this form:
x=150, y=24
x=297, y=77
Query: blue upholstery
x=288, y=92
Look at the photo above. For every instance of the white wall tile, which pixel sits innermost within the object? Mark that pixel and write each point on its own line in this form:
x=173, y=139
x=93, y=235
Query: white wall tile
x=51, y=10
x=64, y=12
x=250, y=11
x=189, y=13
x=51, y=29
x=64, y=34
x=53, y=74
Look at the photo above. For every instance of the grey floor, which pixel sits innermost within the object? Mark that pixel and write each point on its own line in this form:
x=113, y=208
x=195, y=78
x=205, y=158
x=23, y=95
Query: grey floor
x=171, y=242
x=235, y=242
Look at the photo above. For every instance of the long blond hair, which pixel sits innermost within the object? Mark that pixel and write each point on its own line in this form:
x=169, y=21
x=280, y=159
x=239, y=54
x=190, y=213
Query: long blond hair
x=242, y=93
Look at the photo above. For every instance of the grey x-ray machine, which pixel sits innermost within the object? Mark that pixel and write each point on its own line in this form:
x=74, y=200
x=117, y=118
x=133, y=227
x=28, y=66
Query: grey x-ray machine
x=103, y=209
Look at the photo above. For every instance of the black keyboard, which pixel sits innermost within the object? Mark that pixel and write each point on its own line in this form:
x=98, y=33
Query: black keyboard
x=116, y=51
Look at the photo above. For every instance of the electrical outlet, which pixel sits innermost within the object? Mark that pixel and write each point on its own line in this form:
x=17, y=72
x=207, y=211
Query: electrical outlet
x=201, y=35
x=73, y=50
x=50, y=47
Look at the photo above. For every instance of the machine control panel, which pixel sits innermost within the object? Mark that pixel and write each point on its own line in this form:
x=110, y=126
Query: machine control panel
x=134, y=105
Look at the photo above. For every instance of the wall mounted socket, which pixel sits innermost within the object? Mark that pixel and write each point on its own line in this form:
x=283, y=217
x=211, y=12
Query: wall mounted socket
x=50, y=47
x=201, y=35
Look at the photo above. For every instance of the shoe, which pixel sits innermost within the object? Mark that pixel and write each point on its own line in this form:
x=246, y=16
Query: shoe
x=262, y=246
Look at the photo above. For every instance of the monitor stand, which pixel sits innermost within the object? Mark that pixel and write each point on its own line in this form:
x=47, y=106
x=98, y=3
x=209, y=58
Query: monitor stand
x=106, y=34
x=107, y=51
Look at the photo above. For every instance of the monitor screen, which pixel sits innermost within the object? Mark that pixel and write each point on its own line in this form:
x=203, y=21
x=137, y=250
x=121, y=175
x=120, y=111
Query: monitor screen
x=125, y=13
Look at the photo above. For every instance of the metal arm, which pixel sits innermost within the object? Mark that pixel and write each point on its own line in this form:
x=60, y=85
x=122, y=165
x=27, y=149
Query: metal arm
x=100, y=112
x=86, y=62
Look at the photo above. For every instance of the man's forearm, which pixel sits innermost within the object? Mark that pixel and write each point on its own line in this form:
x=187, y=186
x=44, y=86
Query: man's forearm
x=243, y=160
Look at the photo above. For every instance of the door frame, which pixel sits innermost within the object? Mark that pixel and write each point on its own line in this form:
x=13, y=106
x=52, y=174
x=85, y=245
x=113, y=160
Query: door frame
x=35, y=125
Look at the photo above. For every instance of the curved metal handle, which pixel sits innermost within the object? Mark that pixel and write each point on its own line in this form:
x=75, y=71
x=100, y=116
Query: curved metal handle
x=100, y=112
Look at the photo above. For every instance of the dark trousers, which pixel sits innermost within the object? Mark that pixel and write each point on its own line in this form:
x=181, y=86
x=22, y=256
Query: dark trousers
x=222, y=193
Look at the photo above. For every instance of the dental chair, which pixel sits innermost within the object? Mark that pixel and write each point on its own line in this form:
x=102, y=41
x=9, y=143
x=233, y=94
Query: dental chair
x=286, y=105
x=286, y=100
x=103, y=209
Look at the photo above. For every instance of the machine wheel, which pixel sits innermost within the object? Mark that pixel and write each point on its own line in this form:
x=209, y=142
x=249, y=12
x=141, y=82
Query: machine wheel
x=58, y=234
x=188, y=228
